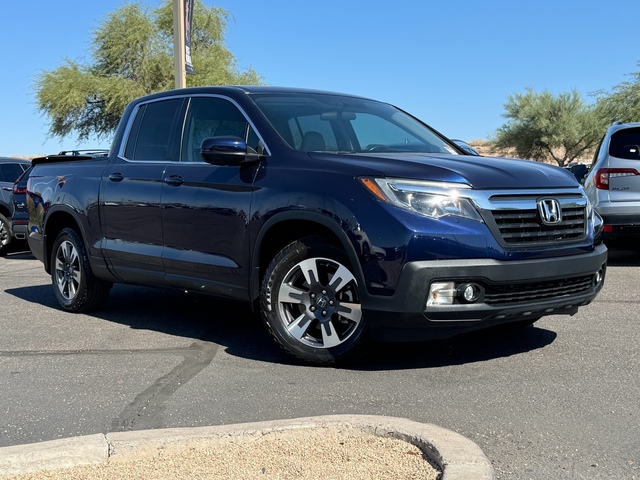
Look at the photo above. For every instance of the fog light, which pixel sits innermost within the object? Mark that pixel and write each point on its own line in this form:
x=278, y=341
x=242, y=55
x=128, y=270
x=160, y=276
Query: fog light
x=598, y=277
x=469, y=292
x=442, y=293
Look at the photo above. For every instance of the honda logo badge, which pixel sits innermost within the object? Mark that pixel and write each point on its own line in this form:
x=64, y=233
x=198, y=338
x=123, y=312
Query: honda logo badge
x=549, y=210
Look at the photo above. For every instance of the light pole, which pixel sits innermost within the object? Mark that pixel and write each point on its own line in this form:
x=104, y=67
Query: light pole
x=179, y=55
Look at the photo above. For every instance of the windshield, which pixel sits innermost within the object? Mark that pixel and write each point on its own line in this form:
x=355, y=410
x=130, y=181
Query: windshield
x=334, y=123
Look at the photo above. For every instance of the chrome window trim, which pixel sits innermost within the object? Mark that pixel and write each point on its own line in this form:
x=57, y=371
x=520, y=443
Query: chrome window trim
x=127, y=130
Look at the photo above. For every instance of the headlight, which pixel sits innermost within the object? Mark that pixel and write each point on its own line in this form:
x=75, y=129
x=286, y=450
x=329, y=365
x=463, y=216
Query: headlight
x=431, y=199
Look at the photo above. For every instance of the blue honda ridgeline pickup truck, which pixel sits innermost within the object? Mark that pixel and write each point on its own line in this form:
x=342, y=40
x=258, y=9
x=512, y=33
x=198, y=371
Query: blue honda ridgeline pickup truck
x=340, y=218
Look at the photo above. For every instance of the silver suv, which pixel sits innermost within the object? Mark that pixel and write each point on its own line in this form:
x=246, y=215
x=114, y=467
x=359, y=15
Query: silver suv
x=613, y=184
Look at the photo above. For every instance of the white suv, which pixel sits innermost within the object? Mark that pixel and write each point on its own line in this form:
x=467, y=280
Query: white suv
x=613, y=184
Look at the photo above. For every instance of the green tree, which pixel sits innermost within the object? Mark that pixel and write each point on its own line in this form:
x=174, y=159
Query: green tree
x=132, y=53
x=622, y=103
x=546, y=127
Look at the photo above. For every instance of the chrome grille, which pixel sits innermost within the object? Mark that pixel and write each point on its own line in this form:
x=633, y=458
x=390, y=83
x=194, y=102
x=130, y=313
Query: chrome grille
x=529, y=292
x=518, y=227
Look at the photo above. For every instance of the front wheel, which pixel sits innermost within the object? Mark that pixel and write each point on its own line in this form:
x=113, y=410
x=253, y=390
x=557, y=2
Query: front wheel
x=74, y=284
x=310, y=303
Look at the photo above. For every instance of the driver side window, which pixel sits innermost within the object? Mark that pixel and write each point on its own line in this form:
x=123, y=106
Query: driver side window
x=211, y=117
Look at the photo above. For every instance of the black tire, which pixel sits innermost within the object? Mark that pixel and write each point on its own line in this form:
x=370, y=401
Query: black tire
x=74, y=284
x=308, y=312
x=5, y=235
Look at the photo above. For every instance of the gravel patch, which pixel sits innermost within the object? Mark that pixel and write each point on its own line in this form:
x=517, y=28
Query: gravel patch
x=330, y=453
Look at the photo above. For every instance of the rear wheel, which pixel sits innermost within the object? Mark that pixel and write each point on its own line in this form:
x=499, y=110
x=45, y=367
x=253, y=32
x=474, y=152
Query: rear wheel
x=74, y=284
x=5, y=235
x=310, y=303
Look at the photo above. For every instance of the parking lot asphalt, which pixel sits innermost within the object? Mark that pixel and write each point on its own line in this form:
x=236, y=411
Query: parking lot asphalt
x=558, y=401
x=454, y=456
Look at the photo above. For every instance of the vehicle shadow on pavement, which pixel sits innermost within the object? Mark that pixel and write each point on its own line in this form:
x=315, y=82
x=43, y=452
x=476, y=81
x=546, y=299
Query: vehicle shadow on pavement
x=495, y=342
x=241, y=333
x=231, y=325
x=19, y=253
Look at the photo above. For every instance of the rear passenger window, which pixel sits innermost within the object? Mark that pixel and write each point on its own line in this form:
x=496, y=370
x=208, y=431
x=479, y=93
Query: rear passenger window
x=152, y=132
x=625, y=144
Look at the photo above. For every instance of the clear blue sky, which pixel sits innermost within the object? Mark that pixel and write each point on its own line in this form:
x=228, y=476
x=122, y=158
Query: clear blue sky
x=452, y=63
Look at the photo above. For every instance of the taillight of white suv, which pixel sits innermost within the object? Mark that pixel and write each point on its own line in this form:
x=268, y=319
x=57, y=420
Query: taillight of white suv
x=603, y=175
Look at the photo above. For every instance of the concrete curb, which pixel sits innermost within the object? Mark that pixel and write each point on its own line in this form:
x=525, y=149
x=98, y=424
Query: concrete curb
x=459, y=457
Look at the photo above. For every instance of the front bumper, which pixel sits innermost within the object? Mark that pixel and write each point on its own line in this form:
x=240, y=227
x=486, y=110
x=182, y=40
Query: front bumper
x=527, y=290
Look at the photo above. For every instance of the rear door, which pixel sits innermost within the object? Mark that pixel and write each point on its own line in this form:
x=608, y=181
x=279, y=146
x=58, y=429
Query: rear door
x=131, y=190
x=624, y=158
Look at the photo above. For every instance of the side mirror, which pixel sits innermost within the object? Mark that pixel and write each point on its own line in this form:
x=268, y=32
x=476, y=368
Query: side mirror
x=226, y=150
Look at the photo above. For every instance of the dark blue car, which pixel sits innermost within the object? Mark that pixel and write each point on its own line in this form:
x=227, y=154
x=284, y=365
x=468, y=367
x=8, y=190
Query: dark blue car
x=342, y=219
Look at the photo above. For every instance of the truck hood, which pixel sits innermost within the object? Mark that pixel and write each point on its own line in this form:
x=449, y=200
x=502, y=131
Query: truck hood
x=481, y=173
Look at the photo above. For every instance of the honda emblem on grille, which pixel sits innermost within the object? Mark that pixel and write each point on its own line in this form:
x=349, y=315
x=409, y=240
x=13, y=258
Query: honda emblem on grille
x=549, y=210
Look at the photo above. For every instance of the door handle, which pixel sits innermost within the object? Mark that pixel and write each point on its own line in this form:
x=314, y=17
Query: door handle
x=174, y=180
x=116, y=177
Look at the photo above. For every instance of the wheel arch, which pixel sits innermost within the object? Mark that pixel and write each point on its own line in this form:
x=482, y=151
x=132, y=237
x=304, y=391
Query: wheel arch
x=284, y=228
x=4, y=211
x=58, y=219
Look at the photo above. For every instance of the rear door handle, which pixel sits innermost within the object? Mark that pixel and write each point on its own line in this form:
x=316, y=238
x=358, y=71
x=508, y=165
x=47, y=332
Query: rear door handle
x=116, y=177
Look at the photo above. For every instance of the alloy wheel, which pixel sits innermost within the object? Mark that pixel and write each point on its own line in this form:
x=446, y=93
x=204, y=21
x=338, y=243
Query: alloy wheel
x=67, y=270
x=318, y=301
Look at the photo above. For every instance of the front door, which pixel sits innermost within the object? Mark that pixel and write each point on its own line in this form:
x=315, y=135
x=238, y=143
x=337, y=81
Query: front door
x=205, y=208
